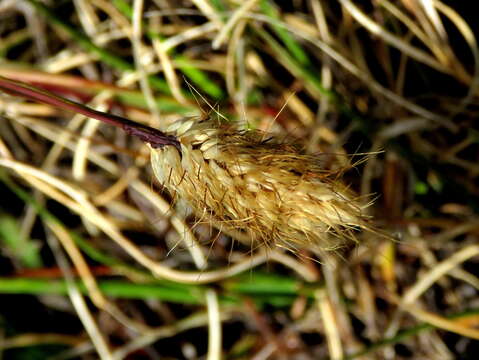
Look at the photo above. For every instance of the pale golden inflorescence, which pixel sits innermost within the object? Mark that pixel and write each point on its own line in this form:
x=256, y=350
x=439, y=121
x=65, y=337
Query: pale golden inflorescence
x=240, y=179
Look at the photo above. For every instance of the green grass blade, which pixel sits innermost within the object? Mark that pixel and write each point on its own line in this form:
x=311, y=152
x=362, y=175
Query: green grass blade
x=106, y=56
x=198, y=77
x=291, y=44
x=313, y=82
x=116, y=288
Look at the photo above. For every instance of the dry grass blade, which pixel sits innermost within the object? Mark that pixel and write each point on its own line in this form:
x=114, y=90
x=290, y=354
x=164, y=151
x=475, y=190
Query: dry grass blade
x=214, y=324
x=439, y=270
x=80, y=305
x=394, y=41
x=330, y=326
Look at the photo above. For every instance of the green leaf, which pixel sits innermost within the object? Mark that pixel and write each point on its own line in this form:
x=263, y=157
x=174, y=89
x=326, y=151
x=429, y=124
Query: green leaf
x=26, y=251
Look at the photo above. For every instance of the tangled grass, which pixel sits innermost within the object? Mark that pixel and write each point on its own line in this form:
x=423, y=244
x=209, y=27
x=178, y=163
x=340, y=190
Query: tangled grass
x=124, y=271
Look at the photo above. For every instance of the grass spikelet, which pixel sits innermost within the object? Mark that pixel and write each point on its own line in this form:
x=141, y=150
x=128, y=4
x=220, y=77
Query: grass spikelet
x=240, y=179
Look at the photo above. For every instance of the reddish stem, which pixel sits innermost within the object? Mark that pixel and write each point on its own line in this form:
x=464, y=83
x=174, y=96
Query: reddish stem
x=154, y=137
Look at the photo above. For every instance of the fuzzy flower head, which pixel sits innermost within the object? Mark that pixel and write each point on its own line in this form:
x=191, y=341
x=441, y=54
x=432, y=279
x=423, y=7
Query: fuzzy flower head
x=241, y=180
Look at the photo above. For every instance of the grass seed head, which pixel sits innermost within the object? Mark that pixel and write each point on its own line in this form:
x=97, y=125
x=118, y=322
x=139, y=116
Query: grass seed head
x=241, y=180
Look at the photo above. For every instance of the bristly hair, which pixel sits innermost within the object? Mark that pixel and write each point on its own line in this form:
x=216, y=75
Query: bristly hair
x=240, y=179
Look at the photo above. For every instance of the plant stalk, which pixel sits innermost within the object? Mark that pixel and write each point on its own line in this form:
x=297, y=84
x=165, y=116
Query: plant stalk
x=154, y=137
